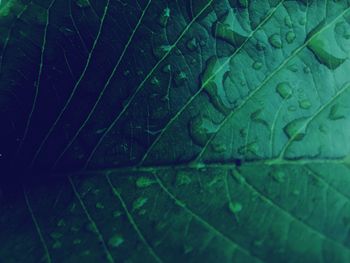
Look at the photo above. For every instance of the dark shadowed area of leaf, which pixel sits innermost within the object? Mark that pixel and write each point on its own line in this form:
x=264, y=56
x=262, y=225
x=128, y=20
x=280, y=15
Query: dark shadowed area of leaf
x=175, y=131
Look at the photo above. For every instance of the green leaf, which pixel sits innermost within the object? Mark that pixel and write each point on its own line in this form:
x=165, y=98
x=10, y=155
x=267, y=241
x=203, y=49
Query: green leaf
x=175, y=131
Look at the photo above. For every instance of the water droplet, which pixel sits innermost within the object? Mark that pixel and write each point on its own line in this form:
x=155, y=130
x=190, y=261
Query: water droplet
x=296, y=129
x=155, y=81
x=325, y=47
x=276, y=41
x=143, y=182
x=117, y=213
x=260, y=46
x=292, y=108
x=336, y=112
x=200, y=129
x=278, y=176
x=83, y=3
x=307, y=70
x=252, y=148
x=293, y=68
x=180, y=78
x=192, y=44
x=67, y=31
x=302, y=21
x=116, y=240
x=257, y=65
x=284, y=90
x=230, y=30
x=167, y=68
x=163, y=18
x=91, y=227
x=255, y=116
x=99, y=205
x=290, y=37
x=305, y=104
x=61, y=223
x=160, y=51
x=235, y=207
x=288, y=21
x=57, y=244
x=322, y=128
x=219, y=147
x=212, y=82
x=182, y=178
x=139, y=203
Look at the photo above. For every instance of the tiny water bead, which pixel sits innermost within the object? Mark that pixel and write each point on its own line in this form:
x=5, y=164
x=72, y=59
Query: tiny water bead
x=305, y=104
x=200, y=129
x=290, y=37
x=83, y=3
x=235, y=207
x=164, y=17
x=276, y=41
x=284, y=90
x=116, y=241
x=296, y=129
x=257, y=65
x=192, y=44
x=144, y=182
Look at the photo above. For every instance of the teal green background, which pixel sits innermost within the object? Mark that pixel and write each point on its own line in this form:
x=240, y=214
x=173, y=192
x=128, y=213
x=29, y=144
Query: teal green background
x=174, y=131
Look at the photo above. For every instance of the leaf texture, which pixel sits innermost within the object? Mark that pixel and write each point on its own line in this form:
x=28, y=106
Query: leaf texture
x=169, y=131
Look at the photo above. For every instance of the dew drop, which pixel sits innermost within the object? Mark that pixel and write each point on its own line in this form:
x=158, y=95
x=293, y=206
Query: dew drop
x=180, y=78
x=144, y=182
x=296, y=129
x=326, y=47
x=260, y=46
x=82, y=3
x=139, y=203
x=163, y=18
x=336, y=113
x=288, y=21
x=192, y=44
x=284, y=90
x=307, y=70
x=67, y=31
x=200, y=129
x=230, y=30
x=290, y=37
x=219, y=147
x=252, y=148
x=302, y=21
x=278, y=176
x=167, y=68
x=305, y=104
x=235, y=207
x=275, y=41
x=155, y=81
x=257, y=65
x=292, y=108
x=213, y=85
x=99, y=205
x=182, y=178
x=160, y=51
x=116, y=240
